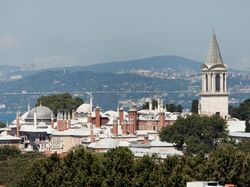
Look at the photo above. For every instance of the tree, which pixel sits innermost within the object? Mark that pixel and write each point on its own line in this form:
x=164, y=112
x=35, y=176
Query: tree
x=242, y=112
x=201, y=134
x=118, y=164
x=147, y=172
x=2, y=124
x=7, y=152
x=15, y=167
x=194, y=108
x=60, y=102
x=154, y=105
x=173, y=108
x=244, y=146
x=224, y=164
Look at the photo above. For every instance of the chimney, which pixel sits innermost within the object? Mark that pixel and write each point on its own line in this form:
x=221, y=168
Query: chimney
x=97, y=117
x=92, y=139
x=59, y=121
x=150, y=105
x=91, y=102
x=35, y=119
x=17, y=125
x=73, y=114
x=162, y=119
x=124, y=127
x=132, y=115
x=146, y=141
x=89, y=118
x=158, y=104
x=64, y=126
x=52, y=121
x=115, y=128
x=121, y=116
x=68, y=124
x=131, y=127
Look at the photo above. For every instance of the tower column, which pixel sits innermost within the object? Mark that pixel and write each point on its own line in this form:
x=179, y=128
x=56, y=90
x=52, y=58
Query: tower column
x=221, y=82
x=203, y=82
x=225, y=82
x=209, y=82
x=213, y=82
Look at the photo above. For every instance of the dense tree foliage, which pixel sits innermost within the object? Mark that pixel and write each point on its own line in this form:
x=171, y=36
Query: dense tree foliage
x=14, y=165
x=7, y=152
x=200, y=134
x=194, y=108
x=118, y=167
x=2, y=124
x=154, y=105
x=244, y=146
x=242, y=112
x=60, y=102
x=173, y=108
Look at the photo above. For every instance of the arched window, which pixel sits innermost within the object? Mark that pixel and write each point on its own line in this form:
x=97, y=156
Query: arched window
x=206, y=82
x=217, y=83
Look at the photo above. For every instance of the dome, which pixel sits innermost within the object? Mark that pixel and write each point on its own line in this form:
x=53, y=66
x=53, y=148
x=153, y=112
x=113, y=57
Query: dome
x=42, y=113
x=84, y=108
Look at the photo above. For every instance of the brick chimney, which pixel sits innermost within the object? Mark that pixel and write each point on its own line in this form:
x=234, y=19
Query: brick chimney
x=52, y=121
x=146, y=141
x=59, y=121
x=115, y=128
x=162, y=119
x=97, y=117
x=121, y=115
x=124, y=127
x=17, y=125
x=131, y=125
x=64, y=127
x=132, y=115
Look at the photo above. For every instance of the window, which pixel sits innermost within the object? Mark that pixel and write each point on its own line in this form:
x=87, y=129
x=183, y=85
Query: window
x=217, y=83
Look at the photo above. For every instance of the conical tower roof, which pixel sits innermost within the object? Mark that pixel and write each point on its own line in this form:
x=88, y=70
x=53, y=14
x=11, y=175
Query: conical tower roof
x=213, y=56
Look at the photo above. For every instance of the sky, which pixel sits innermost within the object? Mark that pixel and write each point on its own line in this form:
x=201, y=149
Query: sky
x=58, y=33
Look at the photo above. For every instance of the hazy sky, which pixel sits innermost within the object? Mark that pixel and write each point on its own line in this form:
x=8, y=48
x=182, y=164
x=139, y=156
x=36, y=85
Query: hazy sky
x=79, y=32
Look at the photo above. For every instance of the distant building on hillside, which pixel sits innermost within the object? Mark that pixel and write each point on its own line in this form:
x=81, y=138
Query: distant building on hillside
x=214, y=94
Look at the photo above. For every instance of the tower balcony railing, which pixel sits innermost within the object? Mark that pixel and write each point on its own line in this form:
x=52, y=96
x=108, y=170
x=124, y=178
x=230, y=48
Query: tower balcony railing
x=202, y=92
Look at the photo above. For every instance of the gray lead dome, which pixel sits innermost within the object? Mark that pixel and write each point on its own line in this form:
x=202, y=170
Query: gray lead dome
x=42, y=113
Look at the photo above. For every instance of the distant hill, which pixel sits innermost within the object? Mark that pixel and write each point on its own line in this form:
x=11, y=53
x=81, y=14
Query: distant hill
x=7, y=68
x=151, y=63
x=180, y=85
x=68, y=81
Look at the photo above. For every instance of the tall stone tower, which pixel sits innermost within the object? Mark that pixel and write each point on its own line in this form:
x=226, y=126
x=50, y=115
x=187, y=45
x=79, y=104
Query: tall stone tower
x=214, y=95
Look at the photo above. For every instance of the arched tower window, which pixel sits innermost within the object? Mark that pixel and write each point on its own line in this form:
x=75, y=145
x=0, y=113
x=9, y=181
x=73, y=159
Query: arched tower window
x=206, y=82
x=217, y=83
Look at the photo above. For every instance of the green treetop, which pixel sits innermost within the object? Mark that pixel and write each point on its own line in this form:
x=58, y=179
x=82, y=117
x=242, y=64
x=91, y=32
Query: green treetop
x=201, y=134
x=57, y=102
